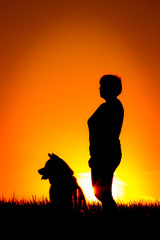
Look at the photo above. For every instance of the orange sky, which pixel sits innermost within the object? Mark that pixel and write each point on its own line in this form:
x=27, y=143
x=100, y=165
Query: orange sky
x=53, y=54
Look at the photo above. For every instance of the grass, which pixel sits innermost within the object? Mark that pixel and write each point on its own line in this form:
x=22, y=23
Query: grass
x=132, y=209
x=140, y=209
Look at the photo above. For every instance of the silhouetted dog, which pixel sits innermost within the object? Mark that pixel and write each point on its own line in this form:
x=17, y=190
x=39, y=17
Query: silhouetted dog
x=65, y=193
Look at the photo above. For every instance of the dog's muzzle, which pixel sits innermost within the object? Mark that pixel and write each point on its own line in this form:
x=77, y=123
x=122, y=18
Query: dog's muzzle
x=43, y=172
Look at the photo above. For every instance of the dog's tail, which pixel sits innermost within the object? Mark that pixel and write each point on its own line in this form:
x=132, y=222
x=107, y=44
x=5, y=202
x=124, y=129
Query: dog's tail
x=78, y=198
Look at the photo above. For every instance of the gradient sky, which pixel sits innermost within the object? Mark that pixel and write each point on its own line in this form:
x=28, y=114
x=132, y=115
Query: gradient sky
x=52, y=55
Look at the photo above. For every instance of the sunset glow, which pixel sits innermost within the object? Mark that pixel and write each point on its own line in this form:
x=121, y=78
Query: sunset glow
x=84, y=181
x=121, y=191
x=53, y=54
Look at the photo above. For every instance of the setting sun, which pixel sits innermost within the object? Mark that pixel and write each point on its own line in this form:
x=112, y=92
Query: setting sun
x=118, y=186
x=84, y=180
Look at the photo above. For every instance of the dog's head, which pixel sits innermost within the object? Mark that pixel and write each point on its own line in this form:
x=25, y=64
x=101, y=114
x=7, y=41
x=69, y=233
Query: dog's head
x=55, y=167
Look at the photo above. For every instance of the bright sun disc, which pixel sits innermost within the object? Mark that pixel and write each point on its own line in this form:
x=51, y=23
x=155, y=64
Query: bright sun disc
x=84, y=180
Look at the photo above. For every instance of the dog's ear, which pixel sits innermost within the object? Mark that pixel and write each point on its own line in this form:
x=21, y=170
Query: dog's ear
x=49, y=155
x=60, y=165
x=52, y=155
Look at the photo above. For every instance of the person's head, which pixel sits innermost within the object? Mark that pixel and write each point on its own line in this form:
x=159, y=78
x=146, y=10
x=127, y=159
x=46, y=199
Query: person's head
x=110, y=86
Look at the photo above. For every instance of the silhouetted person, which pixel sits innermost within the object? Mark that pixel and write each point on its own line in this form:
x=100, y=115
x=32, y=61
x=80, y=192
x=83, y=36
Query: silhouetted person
x=105, y=148
x=64, y=186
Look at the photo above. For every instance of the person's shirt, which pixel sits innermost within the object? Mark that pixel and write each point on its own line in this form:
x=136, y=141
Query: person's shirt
x=105, y=126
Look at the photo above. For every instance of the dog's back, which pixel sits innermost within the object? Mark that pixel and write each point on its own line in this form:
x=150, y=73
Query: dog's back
x=66, y=195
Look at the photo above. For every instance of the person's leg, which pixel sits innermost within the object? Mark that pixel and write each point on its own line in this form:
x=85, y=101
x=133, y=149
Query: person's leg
x=109, y=206
x=96, y=183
